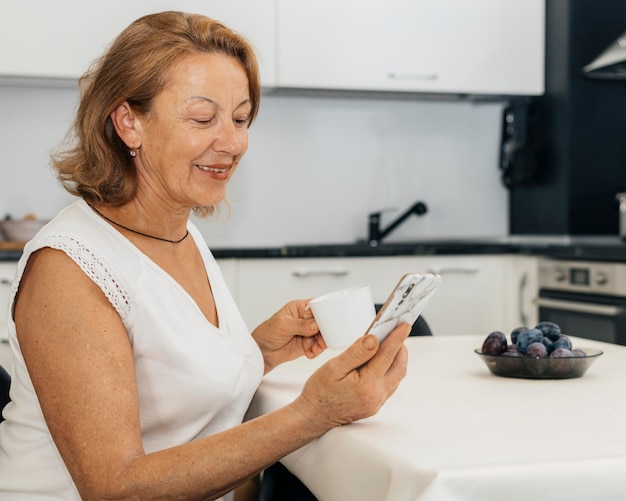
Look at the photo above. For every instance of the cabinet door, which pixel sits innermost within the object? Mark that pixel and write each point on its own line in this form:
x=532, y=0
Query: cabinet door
x=472, y=298
x=59, y=39
x=524, y=288
x=228, y=268
x=442, y=46
x=7, y=272
x=265, y=285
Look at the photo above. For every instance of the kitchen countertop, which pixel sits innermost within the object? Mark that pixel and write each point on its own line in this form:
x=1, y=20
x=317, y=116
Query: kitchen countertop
x=592, y=248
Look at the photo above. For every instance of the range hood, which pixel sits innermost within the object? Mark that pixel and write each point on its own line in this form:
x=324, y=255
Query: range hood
x=610, y=64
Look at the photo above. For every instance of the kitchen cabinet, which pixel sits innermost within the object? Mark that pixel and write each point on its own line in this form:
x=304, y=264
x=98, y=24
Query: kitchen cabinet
x=520, y=291
x=229, y=269
x=265, y=285
x=523, y=289
x=7, y=272
x=442, y=46
x=472, y=298
x=59, y=39
x=478, y=294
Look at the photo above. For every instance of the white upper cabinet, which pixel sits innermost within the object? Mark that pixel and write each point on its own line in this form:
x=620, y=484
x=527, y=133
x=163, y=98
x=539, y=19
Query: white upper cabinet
x=60, y=38
x=439, y=46
x=493, y=47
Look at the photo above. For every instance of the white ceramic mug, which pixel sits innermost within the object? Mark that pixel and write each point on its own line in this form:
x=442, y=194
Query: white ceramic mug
x=344, y=315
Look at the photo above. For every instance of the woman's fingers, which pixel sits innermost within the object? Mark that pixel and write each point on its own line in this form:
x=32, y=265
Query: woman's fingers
x=356, y=383
x=386, y=357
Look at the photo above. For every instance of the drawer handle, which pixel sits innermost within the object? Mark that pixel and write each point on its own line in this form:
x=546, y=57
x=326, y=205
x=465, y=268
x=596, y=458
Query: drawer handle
x=319, y=273
x=413, y=76
x=455, y=271
x=5, y=281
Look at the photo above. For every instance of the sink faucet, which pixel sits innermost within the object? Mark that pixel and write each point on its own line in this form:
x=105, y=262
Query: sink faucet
x=376, y=235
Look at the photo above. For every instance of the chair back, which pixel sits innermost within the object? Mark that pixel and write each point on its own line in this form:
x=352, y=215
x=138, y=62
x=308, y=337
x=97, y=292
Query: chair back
x=5, y=384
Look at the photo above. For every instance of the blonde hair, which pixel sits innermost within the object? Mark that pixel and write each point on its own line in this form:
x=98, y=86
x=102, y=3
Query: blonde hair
x=95, y=164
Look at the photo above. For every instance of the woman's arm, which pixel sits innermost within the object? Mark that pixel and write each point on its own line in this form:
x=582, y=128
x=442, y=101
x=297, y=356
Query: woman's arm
x=81, y=364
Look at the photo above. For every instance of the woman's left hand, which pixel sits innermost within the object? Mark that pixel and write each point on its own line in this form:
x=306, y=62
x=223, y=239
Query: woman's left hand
x=288, y=334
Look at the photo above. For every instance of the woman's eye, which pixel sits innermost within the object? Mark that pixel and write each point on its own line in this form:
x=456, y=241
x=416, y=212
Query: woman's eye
x=242, y=121
x=203, y=120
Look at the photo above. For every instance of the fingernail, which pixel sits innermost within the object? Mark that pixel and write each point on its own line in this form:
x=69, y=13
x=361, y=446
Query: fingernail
x=313, y=325
x=369, y=343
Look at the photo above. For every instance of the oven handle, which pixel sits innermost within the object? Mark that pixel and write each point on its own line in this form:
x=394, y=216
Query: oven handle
x=594, y=309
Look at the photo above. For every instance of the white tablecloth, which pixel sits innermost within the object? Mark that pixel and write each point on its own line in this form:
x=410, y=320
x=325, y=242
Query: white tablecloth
x=453, y=431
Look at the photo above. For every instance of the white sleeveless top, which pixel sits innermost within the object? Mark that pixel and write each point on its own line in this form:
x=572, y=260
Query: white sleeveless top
x=193, y=378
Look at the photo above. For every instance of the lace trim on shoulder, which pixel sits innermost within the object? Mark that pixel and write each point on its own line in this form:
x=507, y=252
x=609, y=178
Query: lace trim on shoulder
x=94, y=267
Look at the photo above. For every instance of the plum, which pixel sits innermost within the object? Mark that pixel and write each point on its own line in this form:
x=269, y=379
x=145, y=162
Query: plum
x=561, y=353
x=549, y=329
x=562, y=342
x=511, y=351
x=528, y=337
x=494, y=344
x=562, y=362
x=536, y=350
x=548, y=344
x=516, y=332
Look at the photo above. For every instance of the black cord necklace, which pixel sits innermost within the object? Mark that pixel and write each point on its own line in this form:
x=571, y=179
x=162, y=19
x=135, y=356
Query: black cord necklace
x=139, y=232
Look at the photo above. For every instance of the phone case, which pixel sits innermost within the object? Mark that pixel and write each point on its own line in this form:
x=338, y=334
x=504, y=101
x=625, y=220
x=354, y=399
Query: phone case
x=405, y=303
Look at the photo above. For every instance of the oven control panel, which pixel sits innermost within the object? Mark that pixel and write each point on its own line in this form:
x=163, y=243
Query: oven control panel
x=583, y=276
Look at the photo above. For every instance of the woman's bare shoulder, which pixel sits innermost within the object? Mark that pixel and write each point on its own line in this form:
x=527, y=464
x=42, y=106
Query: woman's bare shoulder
x=53, y=286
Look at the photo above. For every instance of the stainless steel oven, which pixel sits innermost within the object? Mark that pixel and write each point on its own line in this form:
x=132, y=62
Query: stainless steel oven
x=587, y=299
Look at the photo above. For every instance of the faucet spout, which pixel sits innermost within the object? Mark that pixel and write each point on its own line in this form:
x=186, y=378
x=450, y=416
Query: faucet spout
x=376, y=235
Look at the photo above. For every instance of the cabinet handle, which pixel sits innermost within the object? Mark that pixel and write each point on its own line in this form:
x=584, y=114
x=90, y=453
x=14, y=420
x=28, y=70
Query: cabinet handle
x=317, y=273
x=523, y=282
x=413, y=76
x=454, y=271
x=5, y=281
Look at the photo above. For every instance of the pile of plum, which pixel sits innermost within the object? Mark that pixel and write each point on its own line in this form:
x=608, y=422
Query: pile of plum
x=542, y=341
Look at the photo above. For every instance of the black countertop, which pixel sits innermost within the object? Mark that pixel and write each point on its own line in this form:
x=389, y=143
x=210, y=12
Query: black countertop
x=588, y=248
x=9, y=255
x=602, y=248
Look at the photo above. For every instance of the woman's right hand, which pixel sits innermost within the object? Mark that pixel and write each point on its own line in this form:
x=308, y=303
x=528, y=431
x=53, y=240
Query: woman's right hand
x=355, y=384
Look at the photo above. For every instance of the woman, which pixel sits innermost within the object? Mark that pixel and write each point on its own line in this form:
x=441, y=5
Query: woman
x=132, y=366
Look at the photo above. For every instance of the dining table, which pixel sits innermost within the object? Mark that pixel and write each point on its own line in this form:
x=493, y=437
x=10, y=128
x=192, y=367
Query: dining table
x=455, y=431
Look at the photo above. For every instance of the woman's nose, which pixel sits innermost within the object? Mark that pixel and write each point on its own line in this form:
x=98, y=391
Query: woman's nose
x=231, y=139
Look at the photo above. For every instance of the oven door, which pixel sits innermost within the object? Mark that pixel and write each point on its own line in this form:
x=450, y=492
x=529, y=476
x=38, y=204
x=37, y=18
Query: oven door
x=601, y=318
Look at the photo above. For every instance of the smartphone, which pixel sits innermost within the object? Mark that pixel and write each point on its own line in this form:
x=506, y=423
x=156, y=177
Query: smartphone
x=405, y=303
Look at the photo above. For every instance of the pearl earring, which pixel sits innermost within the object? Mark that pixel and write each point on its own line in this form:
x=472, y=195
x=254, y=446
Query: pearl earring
x=133, y=153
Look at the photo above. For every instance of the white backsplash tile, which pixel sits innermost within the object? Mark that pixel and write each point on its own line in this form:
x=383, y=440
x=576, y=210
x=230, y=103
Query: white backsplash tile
x=315, y=167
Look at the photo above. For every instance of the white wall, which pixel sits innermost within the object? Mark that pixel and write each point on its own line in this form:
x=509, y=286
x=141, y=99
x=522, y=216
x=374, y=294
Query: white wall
x=315, y=168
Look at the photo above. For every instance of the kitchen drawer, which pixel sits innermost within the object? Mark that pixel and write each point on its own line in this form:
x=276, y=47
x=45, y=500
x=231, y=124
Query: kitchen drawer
x=265, y=285
x=472, y=298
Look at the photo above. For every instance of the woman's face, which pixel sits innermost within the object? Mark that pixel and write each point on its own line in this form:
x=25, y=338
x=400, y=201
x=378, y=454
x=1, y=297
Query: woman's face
x=196, y=133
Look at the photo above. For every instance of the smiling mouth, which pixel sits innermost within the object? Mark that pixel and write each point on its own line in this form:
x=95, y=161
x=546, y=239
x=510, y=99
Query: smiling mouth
x=221, y=170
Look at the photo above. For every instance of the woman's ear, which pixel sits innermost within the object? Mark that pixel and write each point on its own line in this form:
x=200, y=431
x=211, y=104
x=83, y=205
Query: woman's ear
x=123, y=119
